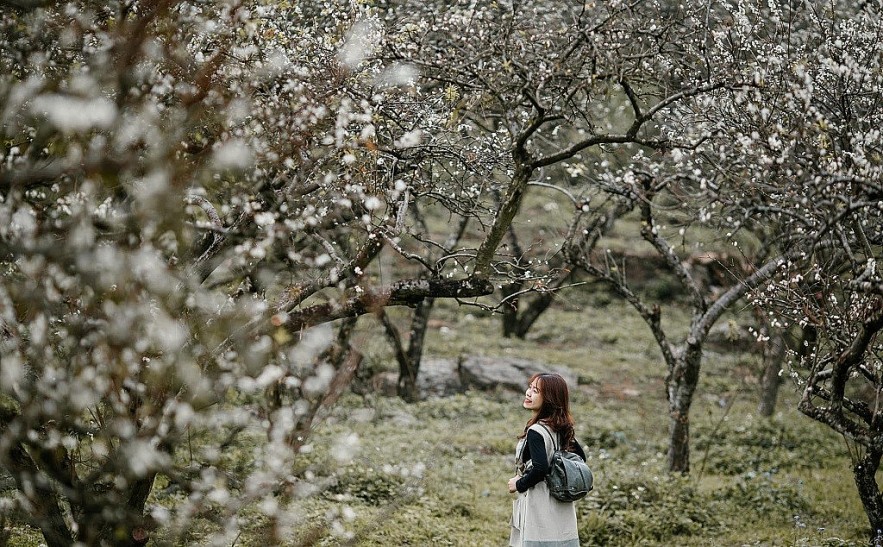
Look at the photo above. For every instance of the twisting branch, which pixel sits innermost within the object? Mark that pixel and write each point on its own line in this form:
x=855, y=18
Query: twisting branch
x=218, y=235
x=650, y=233
x=296, y=294
x=407, y=293
x=737, y=291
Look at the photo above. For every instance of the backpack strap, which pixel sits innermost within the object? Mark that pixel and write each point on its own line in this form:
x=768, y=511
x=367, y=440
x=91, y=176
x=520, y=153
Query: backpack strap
x=554, y=437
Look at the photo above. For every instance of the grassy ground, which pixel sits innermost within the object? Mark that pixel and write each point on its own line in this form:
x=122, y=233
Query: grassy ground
x=755, y=481
x=435, y=472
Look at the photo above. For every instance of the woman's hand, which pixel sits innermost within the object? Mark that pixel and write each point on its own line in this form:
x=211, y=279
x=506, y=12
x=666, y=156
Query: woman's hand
x=512, y=487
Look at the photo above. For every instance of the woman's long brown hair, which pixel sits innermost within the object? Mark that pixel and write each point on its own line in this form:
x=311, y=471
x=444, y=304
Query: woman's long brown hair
x=555, y=411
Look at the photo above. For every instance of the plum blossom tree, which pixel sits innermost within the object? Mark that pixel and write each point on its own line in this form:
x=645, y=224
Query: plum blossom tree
x=190, y=193
x=544, y=93
x=677, y=244
x=799, y=155
x=194, y=196
x=579, y=90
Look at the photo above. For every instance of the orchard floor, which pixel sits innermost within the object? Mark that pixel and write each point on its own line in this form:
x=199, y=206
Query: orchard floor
x=434, y=472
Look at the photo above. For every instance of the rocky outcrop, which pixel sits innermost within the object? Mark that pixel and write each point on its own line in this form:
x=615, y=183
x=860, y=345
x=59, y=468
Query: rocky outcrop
x=487, y=373
x=441, y=377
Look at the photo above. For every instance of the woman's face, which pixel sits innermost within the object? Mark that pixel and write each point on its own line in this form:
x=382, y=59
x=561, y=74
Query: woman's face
x=533, y=399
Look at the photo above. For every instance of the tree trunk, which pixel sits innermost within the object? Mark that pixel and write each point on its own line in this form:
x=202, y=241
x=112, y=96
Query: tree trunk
x=519, y=324
x=680, y=386
x=132, y=528
x=679, y=440
x=43, y=499
x=534, y=310
x=345, y=360
x=774, y=354
x=409, y=360
x=864, y=472
x=139, y=494
x=510, y=309
x=409, y=368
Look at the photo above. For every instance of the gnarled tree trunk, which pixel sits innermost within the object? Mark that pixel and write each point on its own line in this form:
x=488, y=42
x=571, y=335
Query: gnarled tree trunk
x=519, y=324
x=44, y=505
x=409, y=358
x=680, y=387
x=864, y=472
x=774, y=354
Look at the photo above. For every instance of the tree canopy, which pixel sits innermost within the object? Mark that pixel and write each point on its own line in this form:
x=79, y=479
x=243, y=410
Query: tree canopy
x=194, y=197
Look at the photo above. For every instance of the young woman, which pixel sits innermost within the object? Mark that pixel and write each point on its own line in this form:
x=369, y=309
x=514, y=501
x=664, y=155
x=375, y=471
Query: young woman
x=538, y=519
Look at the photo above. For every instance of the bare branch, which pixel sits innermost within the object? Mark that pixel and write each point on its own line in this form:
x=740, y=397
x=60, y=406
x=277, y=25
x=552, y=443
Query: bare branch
x=408, y=292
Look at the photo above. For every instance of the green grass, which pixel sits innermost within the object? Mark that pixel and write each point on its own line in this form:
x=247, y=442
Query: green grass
x=779, y=481
x=435, y=472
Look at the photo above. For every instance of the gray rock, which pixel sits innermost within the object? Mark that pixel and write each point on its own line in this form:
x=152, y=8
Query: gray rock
x=486, y=373
x=439, y=377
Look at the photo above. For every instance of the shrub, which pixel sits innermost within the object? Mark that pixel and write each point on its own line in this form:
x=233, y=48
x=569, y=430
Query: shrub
x=369, y=485
x=633, y=510
x=663, y=289
x=463, y=408
x=762, y=495
x=759, y=445
x=605, y=439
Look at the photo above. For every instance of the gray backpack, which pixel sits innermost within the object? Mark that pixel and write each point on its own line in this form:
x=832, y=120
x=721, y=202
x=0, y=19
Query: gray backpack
x=569, y=477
